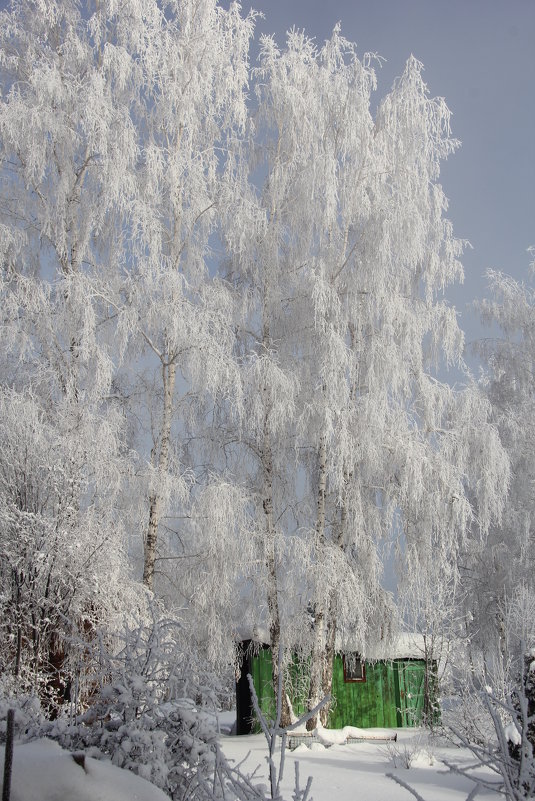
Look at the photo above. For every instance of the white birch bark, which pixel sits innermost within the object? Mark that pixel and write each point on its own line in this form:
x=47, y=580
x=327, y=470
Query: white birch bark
x=332, y=619
x=318, y=653
x=272, y=574
x=155, y=497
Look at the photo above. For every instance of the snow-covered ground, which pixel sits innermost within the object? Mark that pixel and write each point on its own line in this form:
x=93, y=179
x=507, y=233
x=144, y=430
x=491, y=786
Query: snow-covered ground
x=43, y=771
x=359, y=770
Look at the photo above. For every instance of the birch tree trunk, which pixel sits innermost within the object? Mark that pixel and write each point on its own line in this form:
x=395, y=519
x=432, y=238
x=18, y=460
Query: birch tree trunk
x=331, y=628
x=156, y=496
x=317, y=658
x=272, y=579
x=330, y=647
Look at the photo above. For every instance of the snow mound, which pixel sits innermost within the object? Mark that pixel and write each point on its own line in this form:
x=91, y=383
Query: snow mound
x=331, y=736
x=43, y=771
x=512, y=734
x=341, y=736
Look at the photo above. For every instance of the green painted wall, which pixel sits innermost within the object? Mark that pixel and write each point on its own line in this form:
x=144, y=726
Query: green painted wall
x=366, y=704
x=391, y=697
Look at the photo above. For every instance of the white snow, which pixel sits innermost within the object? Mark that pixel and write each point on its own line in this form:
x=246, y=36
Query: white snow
x=404, y=645
x=43, y=771
x=512, y=734
x=359, y=770
x=341, y=736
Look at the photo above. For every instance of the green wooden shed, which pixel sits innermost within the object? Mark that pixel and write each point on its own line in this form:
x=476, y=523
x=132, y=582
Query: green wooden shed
x=383, y=693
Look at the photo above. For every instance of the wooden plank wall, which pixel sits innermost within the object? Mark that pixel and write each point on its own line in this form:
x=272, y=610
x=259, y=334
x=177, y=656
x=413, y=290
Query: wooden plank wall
x=367, y=704
x=390, y=697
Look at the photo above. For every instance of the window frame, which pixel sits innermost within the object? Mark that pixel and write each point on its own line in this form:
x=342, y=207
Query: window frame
x=348, y=679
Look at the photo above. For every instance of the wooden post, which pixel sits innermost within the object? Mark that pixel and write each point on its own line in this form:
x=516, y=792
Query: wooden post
x=8, y=760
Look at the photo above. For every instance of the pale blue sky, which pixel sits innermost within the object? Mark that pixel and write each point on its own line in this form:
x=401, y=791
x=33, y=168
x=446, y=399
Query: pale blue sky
x=480, y=56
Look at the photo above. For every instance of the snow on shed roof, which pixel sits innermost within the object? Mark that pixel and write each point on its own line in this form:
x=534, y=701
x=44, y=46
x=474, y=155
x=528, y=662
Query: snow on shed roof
x=404, y=645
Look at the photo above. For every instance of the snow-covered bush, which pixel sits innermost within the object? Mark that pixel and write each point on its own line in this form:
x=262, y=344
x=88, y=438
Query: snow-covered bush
x=28, y=713
x=146, y=713
x=509, y=752
x=402, y=755
x=141, y=716
x=504, y=741
x=60, y=535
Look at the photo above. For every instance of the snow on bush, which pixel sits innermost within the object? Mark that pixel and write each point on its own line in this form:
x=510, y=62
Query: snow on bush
x=143, y=716
x=42, y=771
x=508, y=747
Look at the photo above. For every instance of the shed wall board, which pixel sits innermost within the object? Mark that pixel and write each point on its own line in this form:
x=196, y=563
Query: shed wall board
x=392, y=695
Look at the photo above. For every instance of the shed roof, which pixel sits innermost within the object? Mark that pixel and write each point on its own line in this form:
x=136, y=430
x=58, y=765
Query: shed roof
x=404, y=645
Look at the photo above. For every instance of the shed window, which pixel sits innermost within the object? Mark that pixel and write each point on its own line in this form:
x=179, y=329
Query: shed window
x=354, y=669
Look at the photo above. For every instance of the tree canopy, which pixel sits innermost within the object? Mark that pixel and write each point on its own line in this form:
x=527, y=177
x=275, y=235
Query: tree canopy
x=225, y=339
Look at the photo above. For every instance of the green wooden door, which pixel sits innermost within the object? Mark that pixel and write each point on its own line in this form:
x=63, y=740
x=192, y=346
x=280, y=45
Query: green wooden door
x=262, y=673
x=411, y=692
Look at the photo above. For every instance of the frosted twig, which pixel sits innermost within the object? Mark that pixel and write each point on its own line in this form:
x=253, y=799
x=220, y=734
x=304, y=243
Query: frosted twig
x=271, y=732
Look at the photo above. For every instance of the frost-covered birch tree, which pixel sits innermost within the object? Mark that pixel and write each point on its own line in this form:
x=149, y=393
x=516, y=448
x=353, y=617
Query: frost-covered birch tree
x=117, y=127
x=499, y=567
x=67, y=149
x=193, y=104
x=352, y=252
x=260, y=270
x=406, y=449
